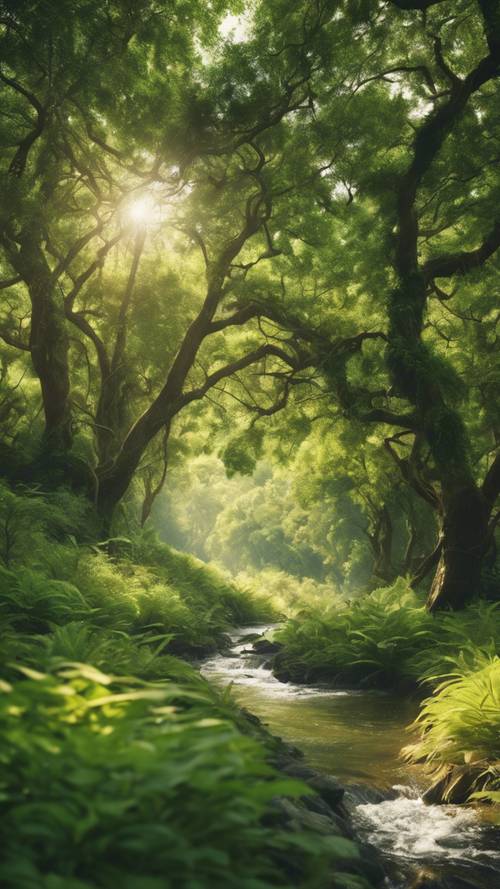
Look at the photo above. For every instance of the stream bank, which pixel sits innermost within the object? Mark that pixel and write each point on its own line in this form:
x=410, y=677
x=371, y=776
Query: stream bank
x=354, y=737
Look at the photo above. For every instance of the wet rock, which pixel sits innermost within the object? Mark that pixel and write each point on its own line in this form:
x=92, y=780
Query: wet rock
x=456, y=785
x=365, y=793
x=371, y=867
x=434, y=794
x=265, y=646
x=328, y=788
x=248, y=637
x=301, y=818
x=298, y=770
x=325, y=785
x=316, y=804
x=427, y=880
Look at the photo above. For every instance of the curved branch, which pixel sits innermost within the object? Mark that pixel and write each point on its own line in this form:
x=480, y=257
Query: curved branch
x=9, y=282
x=13, y=341
x=229, y=369
x=463, y=262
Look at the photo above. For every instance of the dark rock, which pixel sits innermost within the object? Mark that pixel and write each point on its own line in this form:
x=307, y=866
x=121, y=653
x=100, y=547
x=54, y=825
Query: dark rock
x=298, y=770
x=265, y=646
x=316, y=804
x=371, y=866
x=456, y=785
x=248, y=637
x=434, y=794
x=328, y=788
x=299, y=818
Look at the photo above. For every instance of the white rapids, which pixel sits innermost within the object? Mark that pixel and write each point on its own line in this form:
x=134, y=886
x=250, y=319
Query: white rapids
x=408, y=829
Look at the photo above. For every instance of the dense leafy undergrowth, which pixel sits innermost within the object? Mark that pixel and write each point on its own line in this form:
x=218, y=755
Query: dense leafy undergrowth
x=460, y=727
x=109, y=781
x=54, y=574
x=119, y=765
x=388, y=639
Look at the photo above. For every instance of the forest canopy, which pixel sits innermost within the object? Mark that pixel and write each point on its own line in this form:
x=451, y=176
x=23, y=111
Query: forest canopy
x=266, y=231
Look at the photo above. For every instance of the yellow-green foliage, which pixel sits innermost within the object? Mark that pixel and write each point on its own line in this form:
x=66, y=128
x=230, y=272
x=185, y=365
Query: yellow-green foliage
x=48, y=579
x=117, y=782
x=460, y=724
x=287, y=593
x=461, y=719
x=386, y=637
x=374, y=636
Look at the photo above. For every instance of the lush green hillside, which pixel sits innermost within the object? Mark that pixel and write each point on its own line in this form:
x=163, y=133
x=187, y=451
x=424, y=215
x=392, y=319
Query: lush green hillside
x=119, y=763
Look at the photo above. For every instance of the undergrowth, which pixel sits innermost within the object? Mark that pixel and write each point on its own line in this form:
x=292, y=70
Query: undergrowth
x=386, y=638
x=109, y=781
x=120, y=765
x=53, y=574
x=459, y=725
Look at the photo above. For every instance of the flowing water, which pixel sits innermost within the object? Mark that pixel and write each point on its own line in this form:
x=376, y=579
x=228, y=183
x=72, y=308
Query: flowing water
x=357, y=736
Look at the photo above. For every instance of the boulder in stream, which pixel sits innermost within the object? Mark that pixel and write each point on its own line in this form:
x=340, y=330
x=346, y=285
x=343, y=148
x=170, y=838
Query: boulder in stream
x=456, y=785
x=266, y=646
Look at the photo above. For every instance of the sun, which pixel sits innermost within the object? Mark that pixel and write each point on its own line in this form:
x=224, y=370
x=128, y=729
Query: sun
x=140, y=211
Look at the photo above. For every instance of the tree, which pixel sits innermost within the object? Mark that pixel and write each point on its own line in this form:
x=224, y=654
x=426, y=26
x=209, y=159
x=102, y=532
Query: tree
x=419, y=208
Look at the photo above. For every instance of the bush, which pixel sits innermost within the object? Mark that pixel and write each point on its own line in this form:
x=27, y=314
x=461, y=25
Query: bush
x=289, y=594
x=460, y=724
x=371, y=638
x=386, y=638
x=108, y=782
x=34, y=602
x=202, y=586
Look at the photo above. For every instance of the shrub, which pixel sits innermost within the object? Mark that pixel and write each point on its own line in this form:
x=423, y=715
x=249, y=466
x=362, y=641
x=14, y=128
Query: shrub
x=386, y=638
x=372, y=637
x=460, y=723
x=108, y=782
x=34, y=602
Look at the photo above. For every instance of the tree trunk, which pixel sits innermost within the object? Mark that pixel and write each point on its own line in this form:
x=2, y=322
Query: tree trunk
x=114, y=480
x=49, y=340
x=464, y=544
x=465, y=508
x=409, y=554
x=381, y=542
x=49, y=347
x=151, y=490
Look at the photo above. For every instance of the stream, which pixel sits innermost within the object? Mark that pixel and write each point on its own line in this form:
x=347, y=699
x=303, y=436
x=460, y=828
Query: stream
x=357, y=736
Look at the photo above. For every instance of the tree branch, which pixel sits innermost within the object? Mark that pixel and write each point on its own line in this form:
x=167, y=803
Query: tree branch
x=9, y=282
x=463, y=262
x=229, y=369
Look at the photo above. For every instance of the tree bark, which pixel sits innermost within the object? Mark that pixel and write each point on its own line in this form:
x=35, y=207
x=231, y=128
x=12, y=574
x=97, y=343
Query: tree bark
x=464, y=544
x=381, y=541
x=112, y=416
x=151, y=490
x=49, y=347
